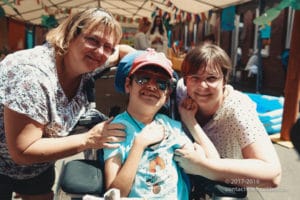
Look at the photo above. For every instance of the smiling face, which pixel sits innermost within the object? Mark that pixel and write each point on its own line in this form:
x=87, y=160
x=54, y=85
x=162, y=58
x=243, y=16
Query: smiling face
x=148, y=91
x=206, y=70
x=83, y=41
x=206, y=87
x=90, y=50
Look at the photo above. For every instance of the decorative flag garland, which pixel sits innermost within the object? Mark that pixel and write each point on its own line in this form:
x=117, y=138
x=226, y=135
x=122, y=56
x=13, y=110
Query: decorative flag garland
x=178, y=15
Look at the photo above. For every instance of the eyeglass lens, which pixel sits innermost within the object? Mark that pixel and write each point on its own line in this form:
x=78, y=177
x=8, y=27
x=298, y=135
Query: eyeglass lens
x=210, y=80
x=94, y=42
x=145, y=79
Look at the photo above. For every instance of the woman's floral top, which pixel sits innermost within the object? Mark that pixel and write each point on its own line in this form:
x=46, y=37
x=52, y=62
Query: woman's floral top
x=29, y=85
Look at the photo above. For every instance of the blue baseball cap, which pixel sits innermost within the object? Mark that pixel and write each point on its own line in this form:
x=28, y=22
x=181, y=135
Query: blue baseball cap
x=124, y=67
x=136, y=60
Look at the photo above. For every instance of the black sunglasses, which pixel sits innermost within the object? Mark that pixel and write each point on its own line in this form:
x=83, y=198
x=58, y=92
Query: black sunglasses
x=161, y=84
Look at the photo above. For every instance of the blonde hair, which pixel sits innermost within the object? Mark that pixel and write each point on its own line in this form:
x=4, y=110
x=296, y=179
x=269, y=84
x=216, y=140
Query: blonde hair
x=85, y=21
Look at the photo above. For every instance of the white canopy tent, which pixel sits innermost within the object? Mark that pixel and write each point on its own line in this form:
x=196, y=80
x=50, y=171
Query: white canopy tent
x=30, y=11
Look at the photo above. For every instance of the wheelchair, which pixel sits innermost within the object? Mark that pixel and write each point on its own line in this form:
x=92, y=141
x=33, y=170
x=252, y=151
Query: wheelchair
x=85, y=176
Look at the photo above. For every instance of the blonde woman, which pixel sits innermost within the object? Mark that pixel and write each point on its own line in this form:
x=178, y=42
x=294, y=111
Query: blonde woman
x=42, y=98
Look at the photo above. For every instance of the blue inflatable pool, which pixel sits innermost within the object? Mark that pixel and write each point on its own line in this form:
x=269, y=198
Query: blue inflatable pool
x=270, y=110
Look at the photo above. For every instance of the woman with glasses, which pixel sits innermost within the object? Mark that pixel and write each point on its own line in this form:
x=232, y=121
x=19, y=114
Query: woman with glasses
x=143, y=165
x=42, y=98
x=229, y=118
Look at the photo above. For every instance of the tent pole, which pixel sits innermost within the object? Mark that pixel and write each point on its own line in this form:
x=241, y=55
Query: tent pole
x=234, y=46
x=259, y=47
x=291, y=14
x=292, y=84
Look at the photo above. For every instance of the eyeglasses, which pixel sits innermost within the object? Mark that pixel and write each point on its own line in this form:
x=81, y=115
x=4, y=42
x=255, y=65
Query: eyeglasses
x=142, y=79
x=95, y=43
x=210, y=80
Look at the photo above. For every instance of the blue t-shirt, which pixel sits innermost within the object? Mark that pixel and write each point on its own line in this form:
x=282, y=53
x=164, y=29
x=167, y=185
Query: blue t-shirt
x=158, y=175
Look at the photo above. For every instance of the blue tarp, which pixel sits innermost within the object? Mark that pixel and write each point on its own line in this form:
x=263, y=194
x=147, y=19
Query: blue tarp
x=270, y=110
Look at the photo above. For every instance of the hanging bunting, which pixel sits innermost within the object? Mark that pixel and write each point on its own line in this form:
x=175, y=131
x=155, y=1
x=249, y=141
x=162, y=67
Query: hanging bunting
x=12, y=7
x=188, y=17
x=68, y=11
x=160, y=12
x=272, y=13
x=179, y=18
x=203, y=16
x=7, y=3
x=153, y=14
x=169, y=4
x=123, y=19
x=164, y=16
x=130, y=20
x=169, y=16
x=197, y=18
x=182, y=14
x=2, y=12
x=49, y=21
x=227, y=18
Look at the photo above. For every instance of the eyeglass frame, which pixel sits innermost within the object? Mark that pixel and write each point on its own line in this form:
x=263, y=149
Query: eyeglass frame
x=168, y=83
x=200, y=79
x=95, y=43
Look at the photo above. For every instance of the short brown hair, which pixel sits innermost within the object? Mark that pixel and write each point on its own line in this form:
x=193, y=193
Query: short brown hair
x=206, y=55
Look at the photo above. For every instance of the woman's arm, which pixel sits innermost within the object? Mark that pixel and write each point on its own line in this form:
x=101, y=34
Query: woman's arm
x=27, y=145
x=122, y=177
x=121, y=50
x=259, y=168
x=187, y=110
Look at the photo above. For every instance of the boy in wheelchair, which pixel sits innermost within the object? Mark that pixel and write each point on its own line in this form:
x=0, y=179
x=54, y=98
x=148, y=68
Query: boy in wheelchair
x=143, y=166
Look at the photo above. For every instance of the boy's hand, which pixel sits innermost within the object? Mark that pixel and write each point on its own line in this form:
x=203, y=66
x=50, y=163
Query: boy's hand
x=188, y=109
x=151, y=134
